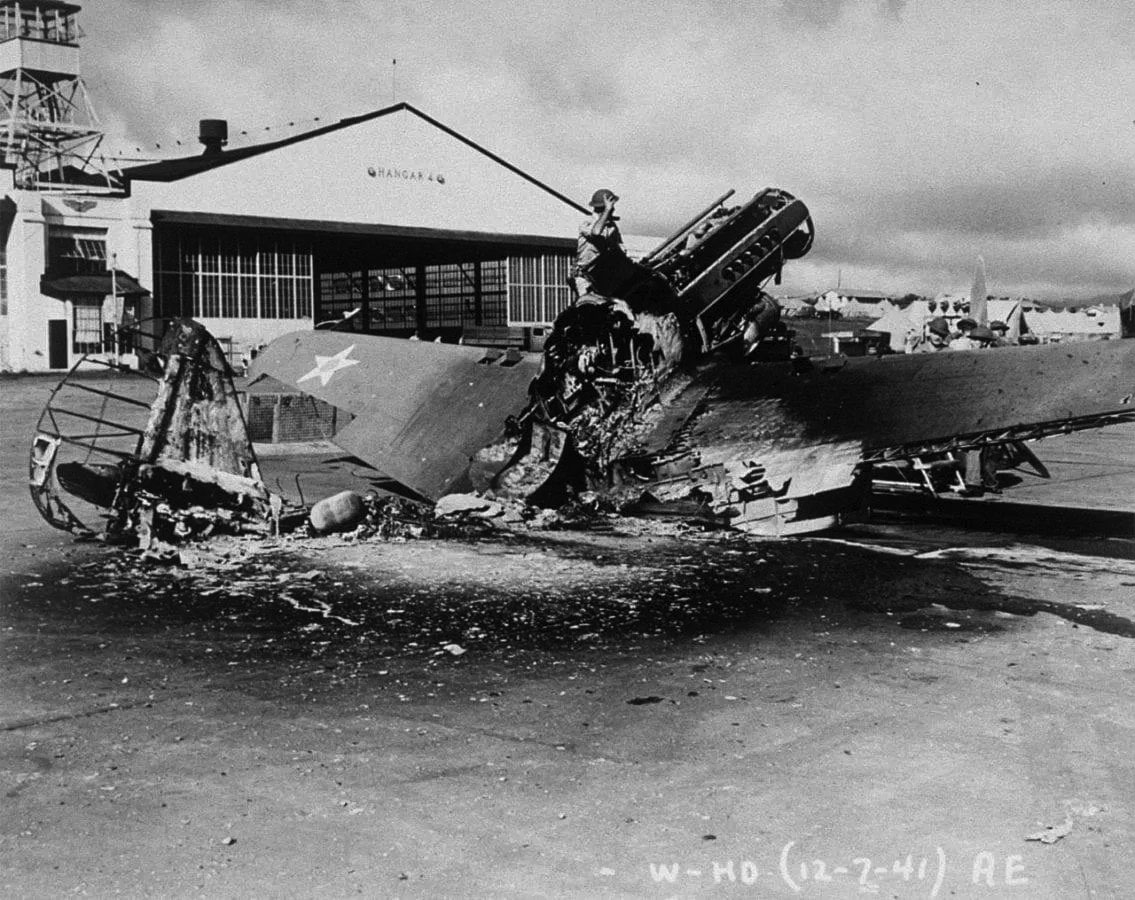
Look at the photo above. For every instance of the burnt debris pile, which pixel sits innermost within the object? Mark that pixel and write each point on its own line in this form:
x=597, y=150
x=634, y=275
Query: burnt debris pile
x=184, y=468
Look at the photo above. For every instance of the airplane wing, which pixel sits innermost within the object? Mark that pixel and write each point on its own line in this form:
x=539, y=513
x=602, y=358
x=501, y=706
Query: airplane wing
x=922, y=403
x=904, y=404
x=421, y=409
x=771, y=441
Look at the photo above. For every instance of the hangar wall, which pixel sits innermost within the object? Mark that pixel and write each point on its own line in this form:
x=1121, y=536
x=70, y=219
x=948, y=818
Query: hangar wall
x=395, y=167
x=387, y=203
x=397, y=218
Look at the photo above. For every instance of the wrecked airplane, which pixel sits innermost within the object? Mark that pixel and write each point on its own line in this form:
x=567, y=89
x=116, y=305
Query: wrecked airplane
x=680, y=390
x=186, y=470
x=156, y=460
x=674, y=390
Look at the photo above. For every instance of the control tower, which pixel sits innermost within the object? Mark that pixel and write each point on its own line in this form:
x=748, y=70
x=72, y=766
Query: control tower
x=48, y=129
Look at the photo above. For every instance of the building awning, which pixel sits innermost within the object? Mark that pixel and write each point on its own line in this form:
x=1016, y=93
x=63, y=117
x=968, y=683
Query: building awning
x=101, y=284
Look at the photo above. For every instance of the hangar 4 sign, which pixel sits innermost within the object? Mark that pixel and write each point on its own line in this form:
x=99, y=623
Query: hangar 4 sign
x=405, y=174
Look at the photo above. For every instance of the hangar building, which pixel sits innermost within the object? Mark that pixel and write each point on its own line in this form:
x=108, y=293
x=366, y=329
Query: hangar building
x=391, y=216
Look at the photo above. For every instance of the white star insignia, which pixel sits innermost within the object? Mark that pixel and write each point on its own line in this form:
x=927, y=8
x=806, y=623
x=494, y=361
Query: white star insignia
x=326, y=366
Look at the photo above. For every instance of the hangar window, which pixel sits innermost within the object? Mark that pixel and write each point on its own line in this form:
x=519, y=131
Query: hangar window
x=451, y=295
x=230, y=296
x=403, y=299
x=207, y=299
x=537, y=288
x=269, y=298
x=287, y=300
x=393, y=297
x=247, y=290
x=493, y=292
x=232, y=276
x=341, y=292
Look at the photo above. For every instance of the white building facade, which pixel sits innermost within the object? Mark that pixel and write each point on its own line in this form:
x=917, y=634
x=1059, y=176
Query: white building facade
x=391, y=217
x=60, y=293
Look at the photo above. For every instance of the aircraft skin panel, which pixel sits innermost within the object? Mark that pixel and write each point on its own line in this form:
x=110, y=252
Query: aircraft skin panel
x=912, y=399
x=381, y=375
x=991, y=390
x=767, y=434
x=431, y=449
x=421, y=409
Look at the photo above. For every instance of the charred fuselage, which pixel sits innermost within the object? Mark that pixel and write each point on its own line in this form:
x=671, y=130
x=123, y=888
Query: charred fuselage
x=621, y=365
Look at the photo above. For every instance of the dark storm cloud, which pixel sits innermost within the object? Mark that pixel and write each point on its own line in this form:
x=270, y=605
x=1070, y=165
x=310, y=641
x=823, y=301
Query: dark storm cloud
x=1076, y=258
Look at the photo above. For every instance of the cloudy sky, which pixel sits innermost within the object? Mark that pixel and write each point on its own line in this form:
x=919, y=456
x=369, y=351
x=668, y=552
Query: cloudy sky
x=919, y=133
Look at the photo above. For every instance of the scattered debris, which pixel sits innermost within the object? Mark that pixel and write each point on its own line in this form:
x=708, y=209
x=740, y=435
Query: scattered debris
x=474, y=504
x=1052, y=833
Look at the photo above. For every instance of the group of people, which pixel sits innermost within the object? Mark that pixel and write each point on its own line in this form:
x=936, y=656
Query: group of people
x=978, y=467
x=969, y=335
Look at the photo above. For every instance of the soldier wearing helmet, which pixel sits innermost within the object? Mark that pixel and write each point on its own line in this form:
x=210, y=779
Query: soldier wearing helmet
x=936, y=337
x=1000, y=334
x=598, y=236
x=964, y=339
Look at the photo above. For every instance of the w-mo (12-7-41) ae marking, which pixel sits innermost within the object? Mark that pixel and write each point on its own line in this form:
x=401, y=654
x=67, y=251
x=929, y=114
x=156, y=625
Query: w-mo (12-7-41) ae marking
x=930, y=869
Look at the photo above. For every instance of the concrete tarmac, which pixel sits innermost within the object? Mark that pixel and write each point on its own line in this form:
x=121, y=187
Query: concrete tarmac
x=892, y=710
x=1089, y=469
x=1088, y=490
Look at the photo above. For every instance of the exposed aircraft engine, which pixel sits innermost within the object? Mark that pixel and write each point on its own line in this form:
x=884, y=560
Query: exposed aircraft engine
x=719, y=262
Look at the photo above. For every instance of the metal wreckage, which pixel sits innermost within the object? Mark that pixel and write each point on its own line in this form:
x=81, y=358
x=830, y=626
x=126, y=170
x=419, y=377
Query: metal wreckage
x=189, y=471
x=675, y=389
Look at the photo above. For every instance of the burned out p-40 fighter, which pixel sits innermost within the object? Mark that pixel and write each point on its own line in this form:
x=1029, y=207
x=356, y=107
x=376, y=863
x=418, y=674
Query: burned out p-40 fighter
x=674, y=384
x=670, y=386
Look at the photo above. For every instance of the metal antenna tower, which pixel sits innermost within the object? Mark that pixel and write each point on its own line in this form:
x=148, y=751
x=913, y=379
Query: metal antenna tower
x=48, y=129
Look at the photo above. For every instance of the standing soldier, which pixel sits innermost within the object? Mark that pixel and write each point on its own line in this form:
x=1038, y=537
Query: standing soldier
x=599, y=237
x=937, y=337
x=1001, y=334
x=964, y=339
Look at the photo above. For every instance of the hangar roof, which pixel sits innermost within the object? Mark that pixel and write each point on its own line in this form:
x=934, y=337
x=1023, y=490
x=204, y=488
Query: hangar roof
x=330, y=227
x=183, y=167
